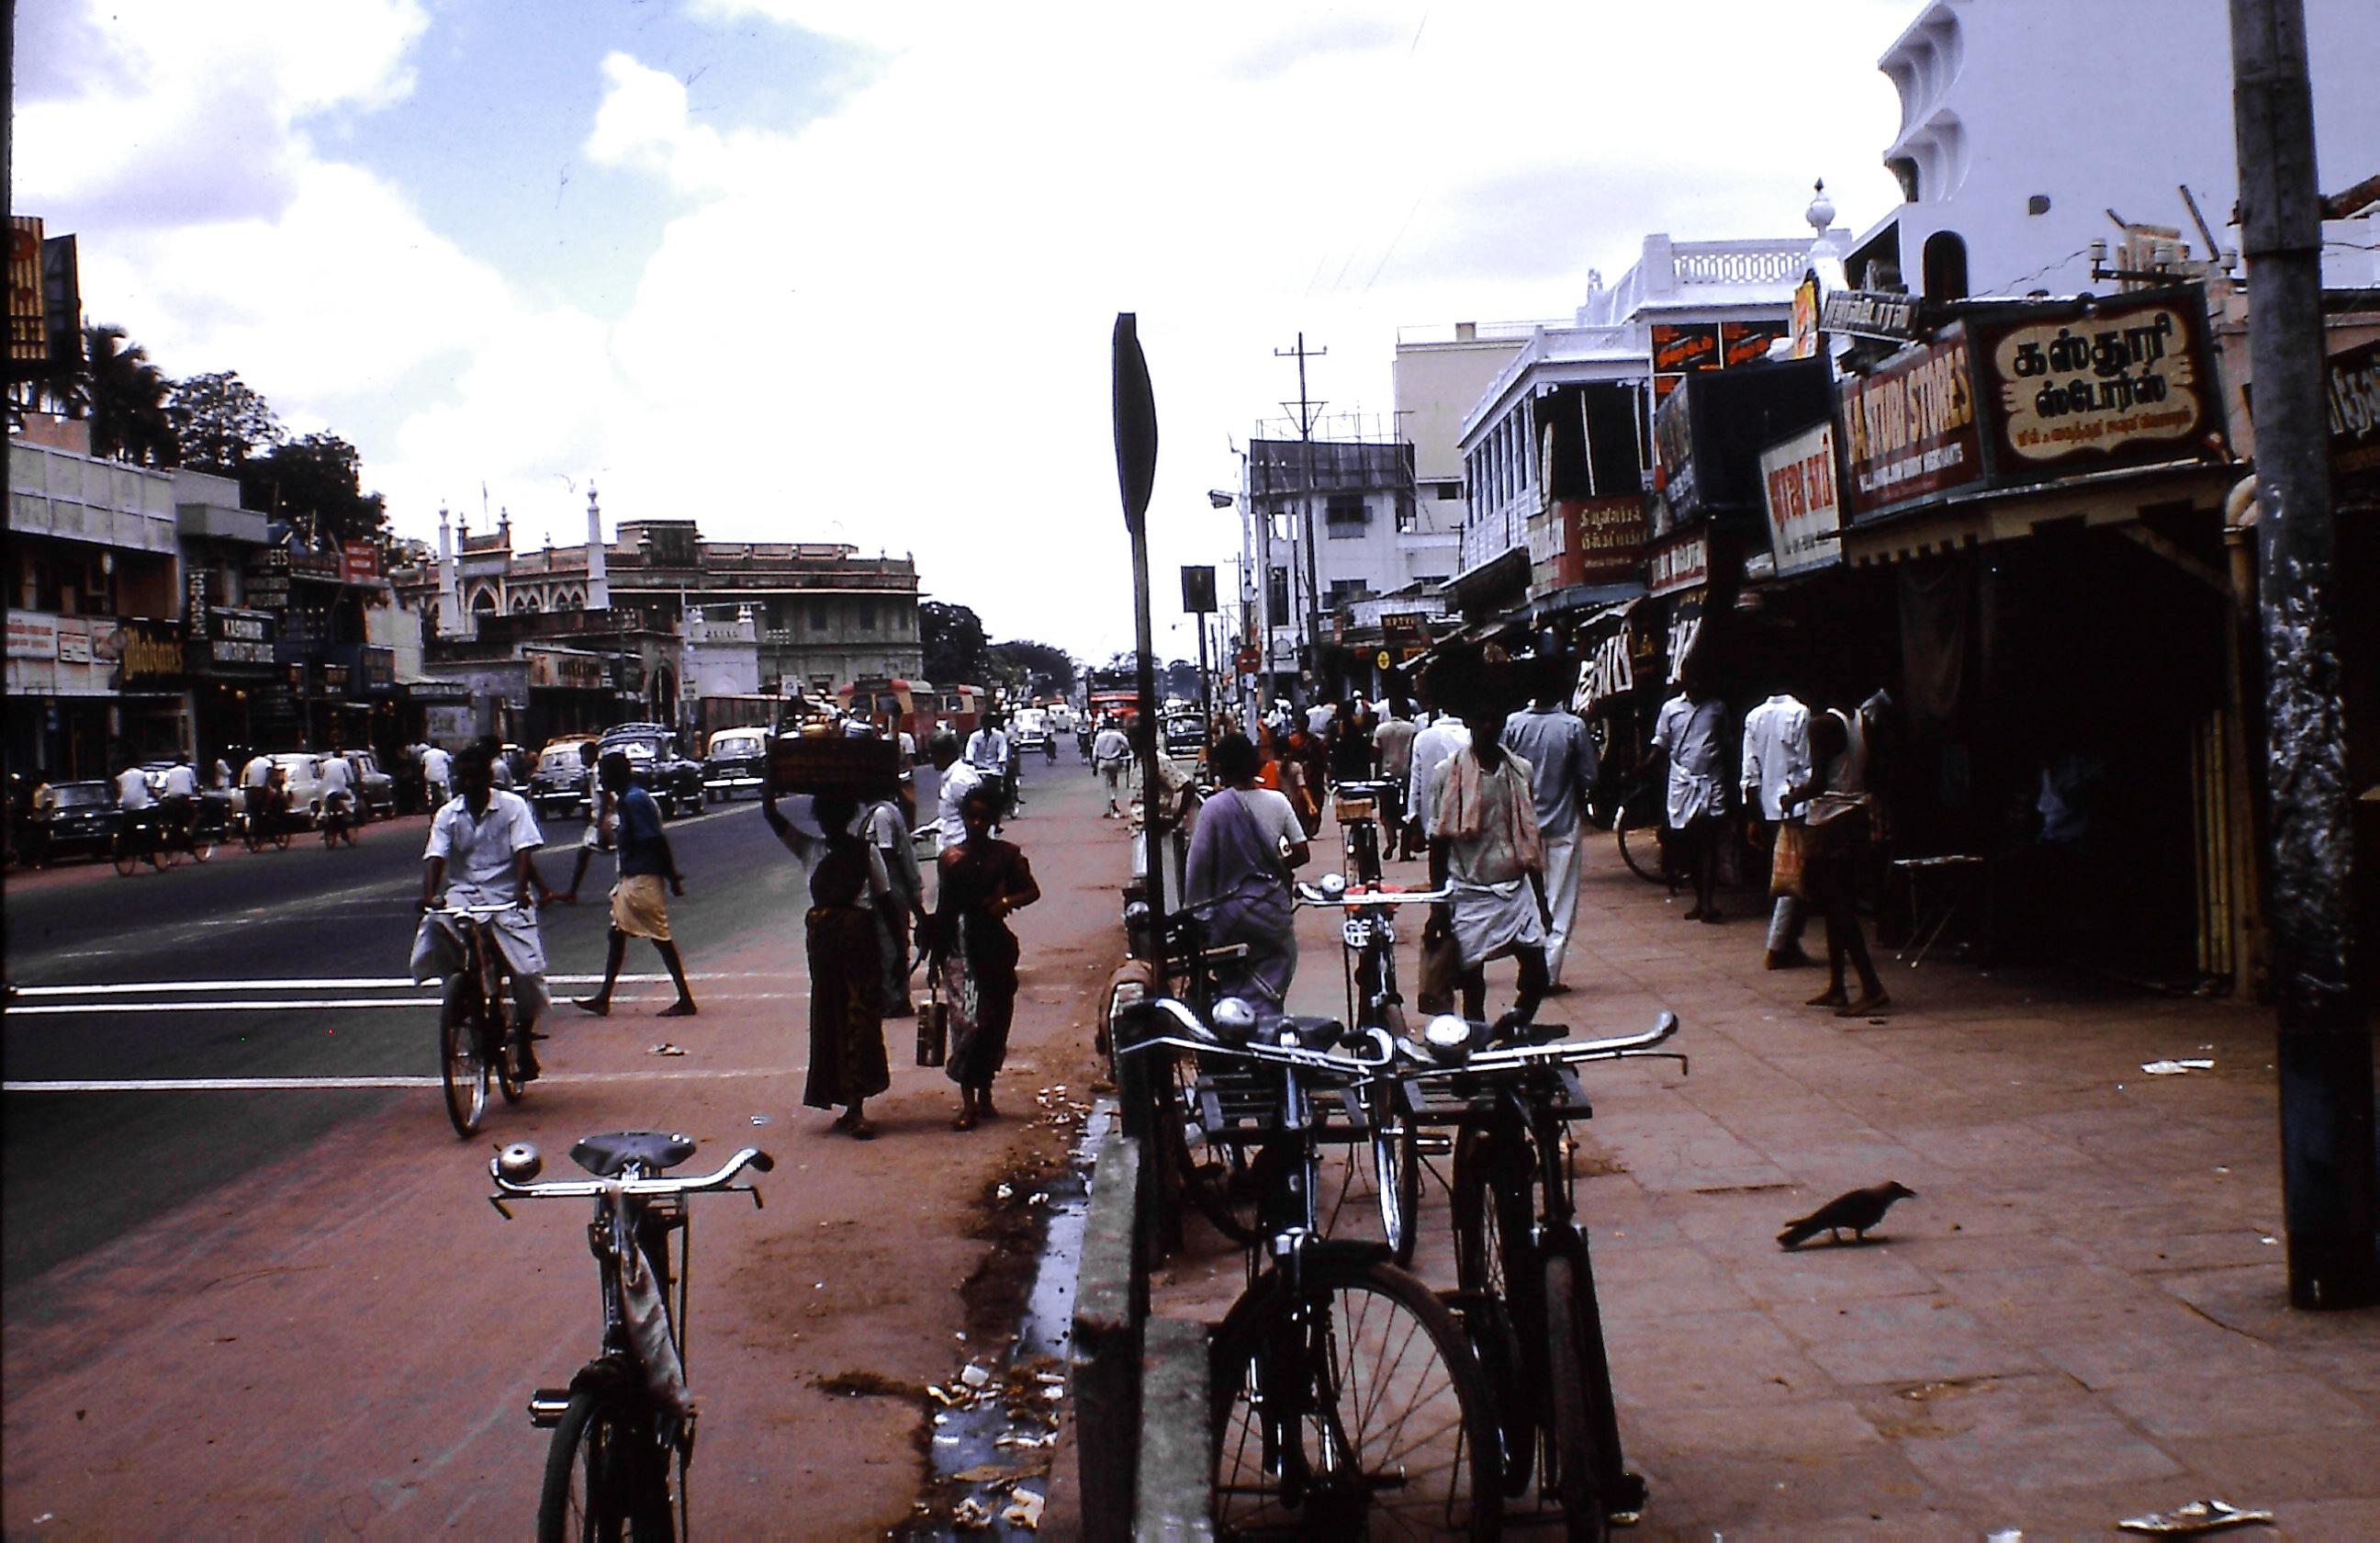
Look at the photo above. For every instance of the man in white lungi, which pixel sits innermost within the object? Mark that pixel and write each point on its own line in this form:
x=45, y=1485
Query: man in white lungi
x=1485, y=845
x=1561, y=768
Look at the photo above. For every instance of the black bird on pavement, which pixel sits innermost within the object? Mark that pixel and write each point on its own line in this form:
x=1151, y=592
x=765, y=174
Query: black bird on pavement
x=1858, y=1211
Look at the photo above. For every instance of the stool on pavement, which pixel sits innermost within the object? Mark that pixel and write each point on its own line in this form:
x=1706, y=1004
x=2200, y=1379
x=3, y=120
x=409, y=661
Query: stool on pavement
x=1963, y=878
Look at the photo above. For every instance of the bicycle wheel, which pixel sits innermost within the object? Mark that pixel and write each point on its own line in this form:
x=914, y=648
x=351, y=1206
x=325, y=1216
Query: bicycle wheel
x=281, y=838
x=462, y=1071
x=1572, y=1466
x=1351, y=1408
x=497, y=1048
x=605, y=1477
x=1494, y=1205
x=1640, y=848
x=1219, y=1179
x=127, y=856
x=202, y=845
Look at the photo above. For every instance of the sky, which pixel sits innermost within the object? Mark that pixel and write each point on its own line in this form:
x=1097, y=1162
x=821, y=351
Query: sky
x=809, y=270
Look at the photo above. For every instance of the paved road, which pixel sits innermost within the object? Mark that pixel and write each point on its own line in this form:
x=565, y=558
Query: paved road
x=285, y=1309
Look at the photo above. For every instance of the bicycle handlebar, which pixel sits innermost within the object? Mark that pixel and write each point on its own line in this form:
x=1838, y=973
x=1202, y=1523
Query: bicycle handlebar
x=1558, y=1053
x=581, y=1189
x=1314, y=894
x=1403, y=1058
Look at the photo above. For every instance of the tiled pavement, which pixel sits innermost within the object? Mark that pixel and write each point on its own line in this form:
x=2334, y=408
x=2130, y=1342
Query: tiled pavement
x=2080, y=1318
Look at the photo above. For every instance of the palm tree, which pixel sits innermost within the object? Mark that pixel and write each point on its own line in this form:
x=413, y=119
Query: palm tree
x=128, y=397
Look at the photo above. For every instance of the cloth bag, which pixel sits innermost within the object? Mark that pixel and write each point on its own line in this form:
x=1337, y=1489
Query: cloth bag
x=1786, y=860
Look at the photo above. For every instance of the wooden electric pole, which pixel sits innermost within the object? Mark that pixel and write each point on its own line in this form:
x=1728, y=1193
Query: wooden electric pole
x=2324, y=1050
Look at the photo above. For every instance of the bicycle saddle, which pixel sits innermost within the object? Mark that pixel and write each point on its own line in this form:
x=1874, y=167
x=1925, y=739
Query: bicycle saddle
x=607, y=1156
x=1315, y=1034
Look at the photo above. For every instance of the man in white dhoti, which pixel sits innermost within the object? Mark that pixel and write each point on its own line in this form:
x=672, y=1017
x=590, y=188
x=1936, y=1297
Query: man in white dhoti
x=1487, y=848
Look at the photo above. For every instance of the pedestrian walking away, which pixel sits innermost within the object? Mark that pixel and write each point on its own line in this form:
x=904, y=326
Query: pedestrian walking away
x=1238, y=879
x=1776, y=757
x=1110, y=753
x=982, y=880
x=1393, y=741
x=1562, y=765
x=437, y=775
x=640, y=907
x=480, y=850
x=956, y=779
x=1487, y=850
x=1692, y=734
x=1838, y=826
x=844, y=940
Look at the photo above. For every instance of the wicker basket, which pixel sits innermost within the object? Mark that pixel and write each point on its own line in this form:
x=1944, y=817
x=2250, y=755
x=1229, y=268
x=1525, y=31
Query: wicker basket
x=1353, y=809
x=841, y=767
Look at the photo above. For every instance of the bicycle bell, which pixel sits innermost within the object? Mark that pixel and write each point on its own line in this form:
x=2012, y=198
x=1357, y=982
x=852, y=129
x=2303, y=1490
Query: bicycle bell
x=518, y=1163
x=1235, y=1019
x=1332, y=885
x=1448, y=1036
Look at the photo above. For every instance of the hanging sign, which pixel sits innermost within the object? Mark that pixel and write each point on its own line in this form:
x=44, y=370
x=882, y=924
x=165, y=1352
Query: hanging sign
x=1909, y=428
x=1798, y=487
x=2124, y=382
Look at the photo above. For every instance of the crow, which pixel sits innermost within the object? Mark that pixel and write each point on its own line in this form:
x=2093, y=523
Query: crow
x=1859, y=1210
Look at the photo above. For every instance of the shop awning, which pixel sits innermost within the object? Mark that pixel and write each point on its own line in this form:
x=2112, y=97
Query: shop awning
x=1480, y=585
x=1986, y=514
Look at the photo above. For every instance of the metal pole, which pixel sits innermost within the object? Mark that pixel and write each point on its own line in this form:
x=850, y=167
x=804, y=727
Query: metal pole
x=2324, y=1049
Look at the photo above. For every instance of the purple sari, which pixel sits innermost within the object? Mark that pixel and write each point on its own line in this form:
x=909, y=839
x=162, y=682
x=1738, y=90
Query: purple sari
x=1235, y=884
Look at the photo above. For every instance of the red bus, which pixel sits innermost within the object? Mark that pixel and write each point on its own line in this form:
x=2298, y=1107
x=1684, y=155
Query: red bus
x=919, y=706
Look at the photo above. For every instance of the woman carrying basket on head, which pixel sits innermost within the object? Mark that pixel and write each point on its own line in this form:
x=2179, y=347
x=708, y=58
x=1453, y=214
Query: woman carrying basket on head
x=982, y=880
x=847, y=885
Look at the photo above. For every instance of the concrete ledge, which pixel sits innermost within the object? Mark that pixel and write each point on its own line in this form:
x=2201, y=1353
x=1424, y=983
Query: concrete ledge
x=1177, y=1461
x=1111, y=1305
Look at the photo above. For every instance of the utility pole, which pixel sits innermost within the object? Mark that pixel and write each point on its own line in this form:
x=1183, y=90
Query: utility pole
x=2323, y=1049
x=1305, y=411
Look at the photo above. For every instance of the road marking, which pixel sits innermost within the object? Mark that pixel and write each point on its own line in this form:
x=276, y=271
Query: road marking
x=353, y=983
x=302, y=1085
x=312, y=1005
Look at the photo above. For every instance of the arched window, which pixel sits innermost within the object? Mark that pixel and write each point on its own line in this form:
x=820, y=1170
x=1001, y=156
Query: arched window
x=483, y=603
x=1945, y=263
x=524, y=602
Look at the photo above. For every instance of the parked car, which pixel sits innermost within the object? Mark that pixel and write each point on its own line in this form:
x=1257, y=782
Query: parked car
x=305, y=773
x=654, y=762
x=73, y=818
x=733, y=760
x=558, y=786
x=375, y=789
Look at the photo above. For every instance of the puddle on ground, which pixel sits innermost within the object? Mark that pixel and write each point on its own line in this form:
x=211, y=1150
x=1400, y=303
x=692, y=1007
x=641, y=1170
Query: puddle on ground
x=995, y=1422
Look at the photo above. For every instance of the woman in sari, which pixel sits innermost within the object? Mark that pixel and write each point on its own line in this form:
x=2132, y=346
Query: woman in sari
x=847, y=884
x=1237, y=879
x=982, y=880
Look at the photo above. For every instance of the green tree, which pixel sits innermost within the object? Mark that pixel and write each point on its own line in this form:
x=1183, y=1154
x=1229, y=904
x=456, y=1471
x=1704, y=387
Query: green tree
x=317, y=484
x=1043, y=666
x=127, y=397
x=951, y=638
x=221, y=420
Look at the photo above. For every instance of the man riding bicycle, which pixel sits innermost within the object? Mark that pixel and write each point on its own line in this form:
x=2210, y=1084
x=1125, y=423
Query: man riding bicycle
x=338, y=788
x=485, y=837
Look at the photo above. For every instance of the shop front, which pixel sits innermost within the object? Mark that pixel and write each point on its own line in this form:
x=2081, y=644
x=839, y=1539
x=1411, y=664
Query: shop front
x=231, y=662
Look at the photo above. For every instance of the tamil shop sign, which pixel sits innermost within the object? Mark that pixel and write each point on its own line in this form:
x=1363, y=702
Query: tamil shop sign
x=2123, y=383
x=1683, y=349
x=1682, y=561
x=2353, y=383
x=1798, y=487
x=1870, y=313
x=1605, y=539
x=1909, y=428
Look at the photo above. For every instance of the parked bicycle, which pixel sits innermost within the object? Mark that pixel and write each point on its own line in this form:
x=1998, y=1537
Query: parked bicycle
x=1346, y=1399
x=1358, y=809
x=1525, y=1279
x=477, y=1044
x=1639, y=817
x=626, y=1414
x=1367, y=928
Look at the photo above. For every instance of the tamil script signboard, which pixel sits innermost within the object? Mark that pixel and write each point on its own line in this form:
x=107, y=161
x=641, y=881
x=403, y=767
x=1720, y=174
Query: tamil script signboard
x=1870, y=313
x=1799, y=488
x=1682, y=561
x=2353, y=382
x=1909, y=428
x=2123, y=383
x=1606, y=538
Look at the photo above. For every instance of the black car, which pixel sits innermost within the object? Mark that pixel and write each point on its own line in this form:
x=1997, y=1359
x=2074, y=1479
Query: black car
x=674, y=782
x=74, y=818
x=558, y=786
x=1185, y=734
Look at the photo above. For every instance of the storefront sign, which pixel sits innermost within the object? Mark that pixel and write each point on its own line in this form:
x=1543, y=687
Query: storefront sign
x=307, y=563
x=2123, y=383
x=151, y=655
x=194, y=603
x=1742, y=342
x=568, y=672
x=74, y=640
x=1605, y=672
x=1680, y=563
x=1606, y=538
x=32, y=636
x=1868, y=313
x=1676, y=350
x=1685, y=631
x=1805, y=517
x=359, y=561
x=1805, y=317
x=1909, y=428
x=1404, y=627
x=1673, y=452
x=376, y=671
x=2353, y=380
x=240, y=640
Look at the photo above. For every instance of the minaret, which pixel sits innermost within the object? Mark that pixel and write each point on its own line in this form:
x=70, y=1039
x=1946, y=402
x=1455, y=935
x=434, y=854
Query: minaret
x=599, y=589
x=452, y=622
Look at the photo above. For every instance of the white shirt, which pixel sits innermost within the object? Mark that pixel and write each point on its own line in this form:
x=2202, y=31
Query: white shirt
x=132, y=790
x=437, y=766
x=181, y=782
x=1689, y=732
x=957, y=778
x=879, y=824
x=480, y=852
x=257, y=772
x=336, y=777
x=1318, y=718
x=1432, y=749
x=988, y=749
x=1110, y=747
x=908, y=757
x=1776, y=753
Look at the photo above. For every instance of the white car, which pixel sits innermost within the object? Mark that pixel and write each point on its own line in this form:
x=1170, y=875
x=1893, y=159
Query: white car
x=305, y=773
x=1029, y=730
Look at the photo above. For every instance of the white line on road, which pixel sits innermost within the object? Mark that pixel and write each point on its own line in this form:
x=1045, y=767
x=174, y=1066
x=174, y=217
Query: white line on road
x=308, y=1004
x=336, y=983
x=294, y=1084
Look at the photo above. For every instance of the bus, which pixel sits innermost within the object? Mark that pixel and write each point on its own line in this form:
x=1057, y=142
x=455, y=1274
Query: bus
x=919, y=706
x=1111, y=692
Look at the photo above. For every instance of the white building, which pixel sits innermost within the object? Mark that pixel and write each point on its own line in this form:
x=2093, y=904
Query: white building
x=2024, y=125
